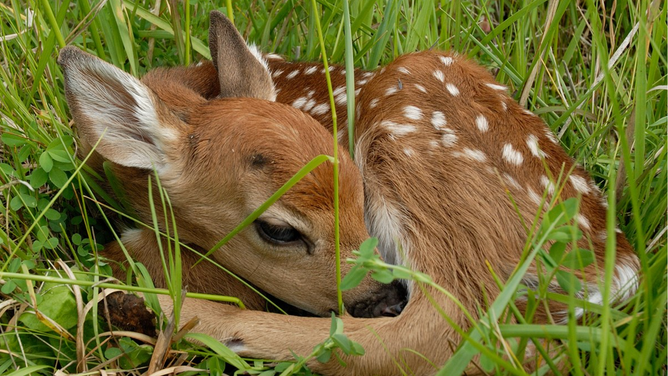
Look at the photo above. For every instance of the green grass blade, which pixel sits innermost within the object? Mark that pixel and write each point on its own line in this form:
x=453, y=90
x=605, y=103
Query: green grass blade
x=350, y=77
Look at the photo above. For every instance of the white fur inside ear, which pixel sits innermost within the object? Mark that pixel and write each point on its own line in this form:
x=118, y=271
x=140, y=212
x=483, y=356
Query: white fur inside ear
x=99, y=90
x=259, y=57
x=119, y=109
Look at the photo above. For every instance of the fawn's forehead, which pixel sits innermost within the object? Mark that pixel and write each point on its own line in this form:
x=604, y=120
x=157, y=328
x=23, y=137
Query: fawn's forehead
x=261, y=130
x=276, y=139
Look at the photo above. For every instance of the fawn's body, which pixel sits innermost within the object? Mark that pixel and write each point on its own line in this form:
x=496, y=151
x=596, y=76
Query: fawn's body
x=440, y=147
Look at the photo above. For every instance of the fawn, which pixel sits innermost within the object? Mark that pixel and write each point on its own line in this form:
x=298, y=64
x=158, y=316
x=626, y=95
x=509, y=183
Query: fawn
x=437, y=143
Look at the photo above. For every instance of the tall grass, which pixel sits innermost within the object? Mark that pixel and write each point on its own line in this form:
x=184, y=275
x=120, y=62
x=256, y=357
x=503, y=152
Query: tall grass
x=595, y=71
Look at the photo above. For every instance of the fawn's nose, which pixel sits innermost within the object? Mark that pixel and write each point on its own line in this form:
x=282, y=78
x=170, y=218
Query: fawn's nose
x=387, y=301
x=393, y=310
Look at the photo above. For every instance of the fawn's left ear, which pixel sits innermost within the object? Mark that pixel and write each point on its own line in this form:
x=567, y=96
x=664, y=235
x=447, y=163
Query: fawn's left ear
x=132, y=125
x=242, y=71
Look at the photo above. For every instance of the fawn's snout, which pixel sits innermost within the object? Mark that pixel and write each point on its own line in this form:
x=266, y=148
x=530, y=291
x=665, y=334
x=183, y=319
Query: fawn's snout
x=387, y=301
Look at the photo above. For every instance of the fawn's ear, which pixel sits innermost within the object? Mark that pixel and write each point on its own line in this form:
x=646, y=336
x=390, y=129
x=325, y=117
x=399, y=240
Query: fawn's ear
x=112, y=106
x=242, y=71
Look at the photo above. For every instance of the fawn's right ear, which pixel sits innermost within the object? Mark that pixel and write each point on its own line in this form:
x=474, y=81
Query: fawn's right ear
x=242, y=71
x=115, y=108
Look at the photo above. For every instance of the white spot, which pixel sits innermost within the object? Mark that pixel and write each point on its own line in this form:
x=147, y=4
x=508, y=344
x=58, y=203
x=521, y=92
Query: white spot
x=626, y=281
x=367, y=74
x=604, y=202
x=583, y=221
x=310, y=70
x=595, y=188
x=504, y=105
x=373, y=103
x=546, y=183
x=292, y=74
x=409, y=152
x=512, y=182
x=403, y=70
x=341, y=135
x=511, y=155
x=362, y=82
x=331, y=68
x=338, y=90
x=580, y=184
x=413, y=112
x=340, y=95
x=449, y=138
x=308, y=105
x=320, y=109
x=398, y=129
x=625, y=284
x=481, y=123
x=533, y=196
x=446, y=60
x=433, y=144
x=528, y=112
x=438, y=120
x=602, y=235
x=299, y=102
x=390, y=90
x=618, y=230
x=594, y=296
x=273, y=57
x=310, y=93
x=357, y=91
x=439, y=75
x=421, y=88
x=476, y=154
x=532, y=143
x=277, y=73
x=551, y=136
x=343, y=71
x=452, y=89
x=496, y=86
x=341, y=99
x=473, y=154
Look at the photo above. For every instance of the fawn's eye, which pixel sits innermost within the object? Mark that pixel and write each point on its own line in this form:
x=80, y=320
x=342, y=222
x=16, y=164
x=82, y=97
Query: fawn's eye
x=277, y=232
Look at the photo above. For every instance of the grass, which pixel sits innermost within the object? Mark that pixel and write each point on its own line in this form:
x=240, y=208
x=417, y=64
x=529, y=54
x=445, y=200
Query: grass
x=595, y=71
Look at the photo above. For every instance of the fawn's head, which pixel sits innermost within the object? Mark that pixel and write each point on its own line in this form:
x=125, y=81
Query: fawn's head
x=220, y=159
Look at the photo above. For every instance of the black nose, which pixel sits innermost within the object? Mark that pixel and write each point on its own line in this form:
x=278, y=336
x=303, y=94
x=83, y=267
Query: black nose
x=393, y=310
x=387, y=301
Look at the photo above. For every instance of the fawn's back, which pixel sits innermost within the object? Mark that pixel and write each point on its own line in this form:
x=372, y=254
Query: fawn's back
x=443, y=148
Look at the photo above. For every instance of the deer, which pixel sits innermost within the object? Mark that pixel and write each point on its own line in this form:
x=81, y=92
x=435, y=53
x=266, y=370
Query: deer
x=439, y=147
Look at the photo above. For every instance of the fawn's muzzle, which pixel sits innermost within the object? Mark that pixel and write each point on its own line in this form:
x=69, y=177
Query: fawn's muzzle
x=388, y=301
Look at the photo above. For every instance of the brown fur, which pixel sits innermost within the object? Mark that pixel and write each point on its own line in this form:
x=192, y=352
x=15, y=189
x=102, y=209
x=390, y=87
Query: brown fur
x=435, y=194
x=453, y=210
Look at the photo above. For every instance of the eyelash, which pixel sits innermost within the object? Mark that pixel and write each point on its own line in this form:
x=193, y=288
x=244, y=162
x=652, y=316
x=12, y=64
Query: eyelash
x=278, y=235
